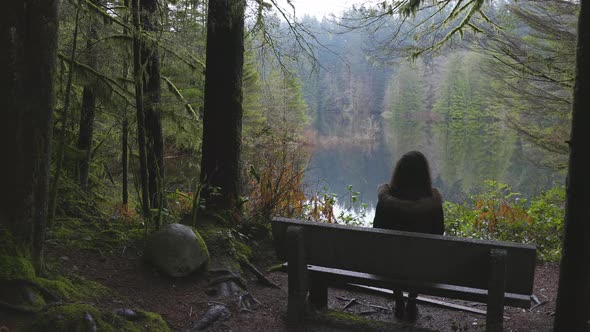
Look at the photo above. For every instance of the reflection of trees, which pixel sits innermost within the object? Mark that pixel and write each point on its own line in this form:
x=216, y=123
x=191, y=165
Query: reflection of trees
x=532, y=71
x=337, y=167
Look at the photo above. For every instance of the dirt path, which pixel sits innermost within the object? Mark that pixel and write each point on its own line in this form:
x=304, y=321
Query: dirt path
x=182, y=301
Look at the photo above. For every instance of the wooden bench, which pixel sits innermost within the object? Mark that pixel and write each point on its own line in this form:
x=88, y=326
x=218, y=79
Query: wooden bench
x=321, y=255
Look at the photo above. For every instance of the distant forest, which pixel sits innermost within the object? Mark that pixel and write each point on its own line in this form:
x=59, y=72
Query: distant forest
x=492, y=105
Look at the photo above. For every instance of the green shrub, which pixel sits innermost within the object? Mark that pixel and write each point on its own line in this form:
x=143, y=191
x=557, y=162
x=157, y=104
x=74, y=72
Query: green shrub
x=501, y=214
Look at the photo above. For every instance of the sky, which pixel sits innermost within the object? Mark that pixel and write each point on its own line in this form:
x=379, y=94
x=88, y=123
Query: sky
x=321, y=8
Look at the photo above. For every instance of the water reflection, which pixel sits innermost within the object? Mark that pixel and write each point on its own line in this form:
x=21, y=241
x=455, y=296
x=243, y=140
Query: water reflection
x=363, y=166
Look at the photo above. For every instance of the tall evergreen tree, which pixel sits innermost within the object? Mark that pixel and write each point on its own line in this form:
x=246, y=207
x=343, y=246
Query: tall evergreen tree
x=28, y=35
x=150, y=58
x=139, y=105
x=573, y=308
x=222, y=119
x=88, y=108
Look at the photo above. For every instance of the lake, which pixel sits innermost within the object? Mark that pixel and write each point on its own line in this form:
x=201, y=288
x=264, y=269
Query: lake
x=335, y=168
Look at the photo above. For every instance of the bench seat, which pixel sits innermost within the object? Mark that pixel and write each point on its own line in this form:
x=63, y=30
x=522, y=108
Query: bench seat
x=321, y=255
x=338, y=277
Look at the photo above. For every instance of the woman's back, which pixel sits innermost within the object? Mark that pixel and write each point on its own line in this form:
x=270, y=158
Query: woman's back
x=424, y=215
x=409, y=203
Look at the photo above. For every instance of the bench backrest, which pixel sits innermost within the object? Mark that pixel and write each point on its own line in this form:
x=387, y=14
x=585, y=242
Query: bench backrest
x=411, y=256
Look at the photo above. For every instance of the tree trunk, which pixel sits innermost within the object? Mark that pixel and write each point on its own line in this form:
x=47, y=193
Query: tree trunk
x=141, y=139
x=152, y=93
x=573, y=307
x=61, y=147
x=87, y=112
x=125, y=128
x=124, y=160
x=85, y=134
x=28, y=35
x=222, y=119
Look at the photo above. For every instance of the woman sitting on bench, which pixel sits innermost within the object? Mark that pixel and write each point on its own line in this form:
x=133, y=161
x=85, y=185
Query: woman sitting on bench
x=409, y=203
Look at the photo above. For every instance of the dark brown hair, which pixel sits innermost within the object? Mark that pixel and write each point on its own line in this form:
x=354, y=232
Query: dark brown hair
x=411, y=177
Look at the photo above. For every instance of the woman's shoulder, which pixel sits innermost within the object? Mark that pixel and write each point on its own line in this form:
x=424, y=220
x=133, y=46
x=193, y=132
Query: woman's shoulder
x=436, y=195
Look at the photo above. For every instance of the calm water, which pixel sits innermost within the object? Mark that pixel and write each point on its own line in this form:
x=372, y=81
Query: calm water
x=336, y=168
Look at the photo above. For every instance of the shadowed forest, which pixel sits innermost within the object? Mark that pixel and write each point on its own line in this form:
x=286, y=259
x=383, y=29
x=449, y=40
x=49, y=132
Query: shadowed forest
x=149, y=146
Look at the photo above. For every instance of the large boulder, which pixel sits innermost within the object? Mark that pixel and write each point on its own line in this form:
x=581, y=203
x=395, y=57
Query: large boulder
x=176, y=250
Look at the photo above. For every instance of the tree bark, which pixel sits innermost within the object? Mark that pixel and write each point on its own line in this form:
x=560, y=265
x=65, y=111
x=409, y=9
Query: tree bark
x=222, y=119
x=87, y=112
x=573, y=307
x=125, y=161
x=61, y=147
x=28, y=35
x=152, y=93
x=141, y=139
x=125, y=128
x=85, y=134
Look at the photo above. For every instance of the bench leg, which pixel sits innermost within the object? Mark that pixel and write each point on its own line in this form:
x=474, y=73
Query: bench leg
x=318, y=292
x=297, y=270
x=496, y=289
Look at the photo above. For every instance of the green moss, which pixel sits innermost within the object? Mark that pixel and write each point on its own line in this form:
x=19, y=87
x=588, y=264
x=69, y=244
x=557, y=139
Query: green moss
x=8, y=244
x=348, y=321
x=276, y=267
x=113, y=237
x=66, y=227
x=346, y=317
x=228, y=250
x=208, y=230
x=71, y=317
x=202, y=243
x=74, y=289
x=72, y=233
x=14, y=267
x=152, y=321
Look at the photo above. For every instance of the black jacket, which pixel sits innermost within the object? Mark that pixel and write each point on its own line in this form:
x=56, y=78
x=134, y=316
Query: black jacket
x=424, y=215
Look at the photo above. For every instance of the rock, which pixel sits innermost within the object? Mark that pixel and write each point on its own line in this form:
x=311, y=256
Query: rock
x=176, y=250
x=127, y=313
x=213, y=314
x=89, y=325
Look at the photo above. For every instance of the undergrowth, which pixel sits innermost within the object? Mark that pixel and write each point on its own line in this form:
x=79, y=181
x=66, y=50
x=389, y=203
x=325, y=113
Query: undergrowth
x=499, y=213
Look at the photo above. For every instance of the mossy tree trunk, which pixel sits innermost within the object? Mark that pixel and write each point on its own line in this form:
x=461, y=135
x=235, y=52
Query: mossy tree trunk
x=141, y=139
x=148, y=89
x=87, y=111
x=573, y=307
x=61, y=145
x=85, y=134
x=152, y=93
x=125, y=128
x=28, y=38
x=222, y=119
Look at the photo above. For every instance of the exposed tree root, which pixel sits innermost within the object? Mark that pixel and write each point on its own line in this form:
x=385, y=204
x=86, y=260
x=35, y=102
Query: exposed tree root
x=258, y=274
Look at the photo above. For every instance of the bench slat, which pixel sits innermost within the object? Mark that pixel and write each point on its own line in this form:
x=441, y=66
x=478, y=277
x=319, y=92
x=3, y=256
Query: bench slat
x=422, y=259
x=342, y=278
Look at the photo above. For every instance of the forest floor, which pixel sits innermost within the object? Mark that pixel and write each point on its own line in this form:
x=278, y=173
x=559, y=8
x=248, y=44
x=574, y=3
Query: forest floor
x=182, y=301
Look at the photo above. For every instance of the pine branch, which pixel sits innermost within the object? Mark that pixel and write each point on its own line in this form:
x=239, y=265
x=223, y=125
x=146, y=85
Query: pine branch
x=172, y=88
x=110, y=82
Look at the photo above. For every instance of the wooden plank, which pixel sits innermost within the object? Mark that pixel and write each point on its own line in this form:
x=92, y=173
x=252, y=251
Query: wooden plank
x=297, y=283
x=412, y=256
x=318, y=291
x=422, y=299
x=341, y=278
x=497, y=286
